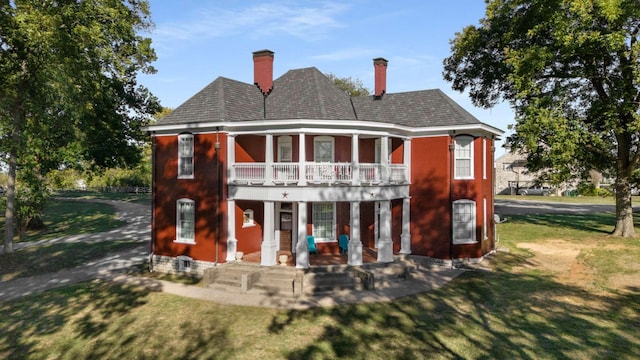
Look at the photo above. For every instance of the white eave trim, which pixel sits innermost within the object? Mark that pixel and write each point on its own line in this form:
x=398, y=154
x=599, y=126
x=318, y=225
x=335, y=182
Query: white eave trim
x=321, y=127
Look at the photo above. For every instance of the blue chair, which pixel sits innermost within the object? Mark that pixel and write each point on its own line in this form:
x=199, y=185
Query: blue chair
x=312, y=244
x=343, y=242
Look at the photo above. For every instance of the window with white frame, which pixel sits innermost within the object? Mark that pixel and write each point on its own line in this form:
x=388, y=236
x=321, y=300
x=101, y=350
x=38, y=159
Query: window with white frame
x=464, y=157
x=285, y=149
x=185, y=156
x=324, y=220
x=484, y=219
x=185, y=222
x=247, y=218
x=464, y=222
x=484, y=158
x=323, y=149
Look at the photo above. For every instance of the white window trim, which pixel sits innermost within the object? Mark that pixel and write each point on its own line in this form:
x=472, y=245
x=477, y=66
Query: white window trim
x=285, y=142
x=180, y=138
x=247, y=218
x=484, y=158
x=485, y=223
x=471, y=157
x=330, y=139
x=471, y=240
x=179, y=223
x=333, y=224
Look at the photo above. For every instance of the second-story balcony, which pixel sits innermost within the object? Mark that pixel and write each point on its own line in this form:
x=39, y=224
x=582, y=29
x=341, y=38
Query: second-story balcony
x=323, y=173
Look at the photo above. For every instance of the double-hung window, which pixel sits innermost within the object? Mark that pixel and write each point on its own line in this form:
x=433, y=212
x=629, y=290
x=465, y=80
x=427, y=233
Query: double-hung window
x=185, y=156
x=323, y=221
x=464, y=222
x=464, y=157
x=185, y=222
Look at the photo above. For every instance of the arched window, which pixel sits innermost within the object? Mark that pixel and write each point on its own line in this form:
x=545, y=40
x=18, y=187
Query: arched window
x=185, y=156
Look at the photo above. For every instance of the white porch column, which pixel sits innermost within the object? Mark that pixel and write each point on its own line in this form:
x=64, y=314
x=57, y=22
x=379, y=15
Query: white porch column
x=355, y=245
x=302, y=248
x=355, y=160
x=269, y=246
x=268, y=159
x=385, y=246
x=405, y=237
x=294, y=228
x=232, y=242
x=231, y=157
x=302, y=159
x=406, y=159
x=384, y=158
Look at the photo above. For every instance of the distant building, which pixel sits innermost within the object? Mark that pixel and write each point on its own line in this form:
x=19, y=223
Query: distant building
x=512, y=173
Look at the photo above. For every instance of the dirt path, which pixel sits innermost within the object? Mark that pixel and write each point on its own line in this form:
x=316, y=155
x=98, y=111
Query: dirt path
x=563, y=260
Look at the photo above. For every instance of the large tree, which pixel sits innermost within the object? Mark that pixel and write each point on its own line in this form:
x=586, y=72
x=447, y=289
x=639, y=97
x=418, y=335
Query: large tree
x=571, y=71
x=69, y=92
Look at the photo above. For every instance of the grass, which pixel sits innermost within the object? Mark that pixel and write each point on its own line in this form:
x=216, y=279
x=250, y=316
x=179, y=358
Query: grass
x=139, y=198
x=69, y=217
x=518, y=311
x=49, y=258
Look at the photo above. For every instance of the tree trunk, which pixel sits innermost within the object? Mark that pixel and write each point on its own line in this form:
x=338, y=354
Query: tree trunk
x=11, y=201
x=624, y=210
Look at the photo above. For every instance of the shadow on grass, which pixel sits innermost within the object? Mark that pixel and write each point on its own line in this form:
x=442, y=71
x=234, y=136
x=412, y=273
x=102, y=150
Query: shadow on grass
x=100, y=320
x=485, y=315
x=596, y=223
x=49, y=258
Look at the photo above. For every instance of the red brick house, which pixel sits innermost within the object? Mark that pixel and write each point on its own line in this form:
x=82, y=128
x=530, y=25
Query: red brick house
x=260, y=167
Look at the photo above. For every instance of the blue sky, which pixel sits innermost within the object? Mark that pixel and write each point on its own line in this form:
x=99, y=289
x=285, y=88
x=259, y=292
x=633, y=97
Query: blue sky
x=197, y=41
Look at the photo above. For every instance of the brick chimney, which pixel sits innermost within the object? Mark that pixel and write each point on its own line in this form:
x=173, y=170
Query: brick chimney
x=263, y=70
x=380, y=67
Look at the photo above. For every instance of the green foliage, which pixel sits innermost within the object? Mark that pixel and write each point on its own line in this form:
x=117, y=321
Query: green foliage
x=352, y=86
x=69, y=96
x=570, y=70
x=586, y=188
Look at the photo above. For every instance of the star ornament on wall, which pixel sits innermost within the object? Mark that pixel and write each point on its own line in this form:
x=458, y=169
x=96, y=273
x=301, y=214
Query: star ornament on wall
x=285, y=195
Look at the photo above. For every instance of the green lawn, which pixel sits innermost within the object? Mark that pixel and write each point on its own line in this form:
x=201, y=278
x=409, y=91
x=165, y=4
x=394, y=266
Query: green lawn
x=69, y=217
x=520, y=310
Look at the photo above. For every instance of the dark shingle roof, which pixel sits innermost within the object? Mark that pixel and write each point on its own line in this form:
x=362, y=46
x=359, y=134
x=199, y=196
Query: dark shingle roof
x=308, y=94
x=414, y=109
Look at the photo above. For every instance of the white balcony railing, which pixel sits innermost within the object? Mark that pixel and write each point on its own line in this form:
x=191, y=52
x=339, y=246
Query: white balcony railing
x=318, y=173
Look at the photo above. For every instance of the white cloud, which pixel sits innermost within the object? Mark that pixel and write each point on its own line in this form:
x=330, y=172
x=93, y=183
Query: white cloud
x=346, y=54
x=300, y=21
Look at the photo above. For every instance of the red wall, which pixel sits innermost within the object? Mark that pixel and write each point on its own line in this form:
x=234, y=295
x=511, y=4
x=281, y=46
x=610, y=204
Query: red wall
x=168, y=189
x=430, y=203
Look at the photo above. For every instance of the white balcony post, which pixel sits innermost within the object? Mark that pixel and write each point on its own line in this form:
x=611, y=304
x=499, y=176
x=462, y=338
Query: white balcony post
x=405, y=237
x=232, y=242
x=268, y=159
x=406, y=159
x=231, y=157
x=302, y=247
x=384, y=159
x=302, y=159
x=355, y=160
x=355, y=245
x=269, y=246
x=385, y=247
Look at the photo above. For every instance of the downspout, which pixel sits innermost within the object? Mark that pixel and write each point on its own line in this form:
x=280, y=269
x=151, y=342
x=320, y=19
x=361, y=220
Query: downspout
x=452, y=147
x=218, y=193
x=152, y=245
